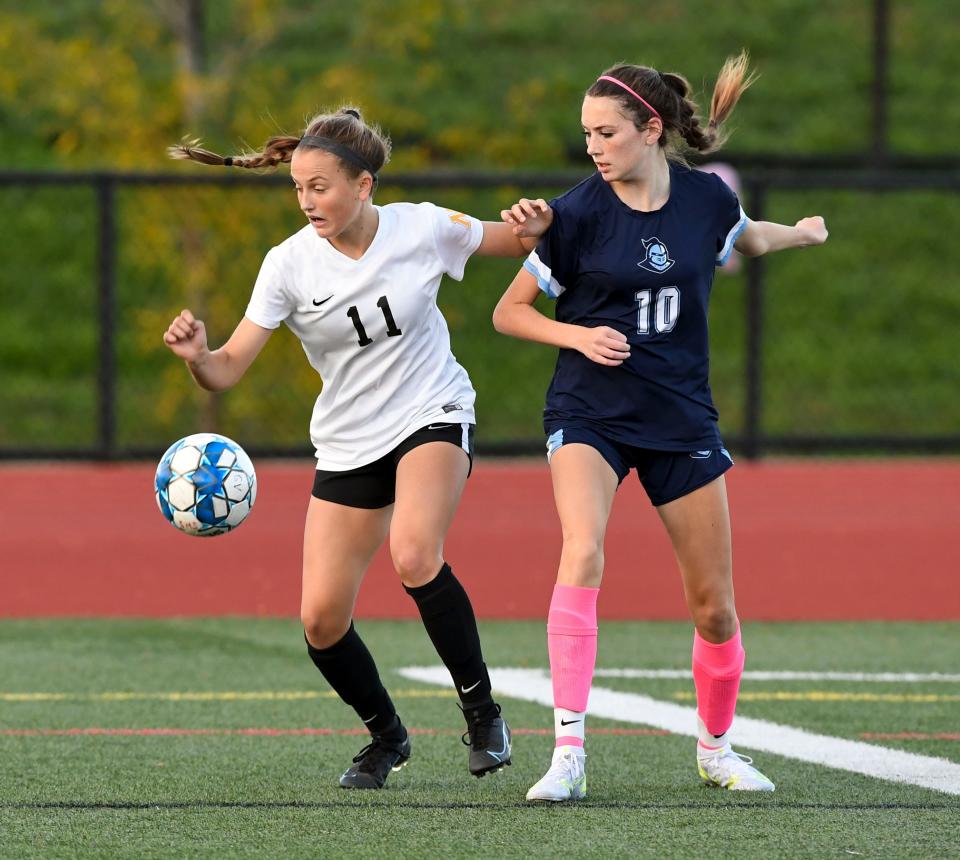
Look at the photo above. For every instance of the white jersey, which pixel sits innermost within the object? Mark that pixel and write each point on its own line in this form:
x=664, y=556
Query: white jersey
x=372, y=329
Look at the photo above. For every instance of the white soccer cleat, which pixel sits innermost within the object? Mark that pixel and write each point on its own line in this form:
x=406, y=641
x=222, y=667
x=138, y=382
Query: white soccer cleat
x=729, y=769
x=566, y=779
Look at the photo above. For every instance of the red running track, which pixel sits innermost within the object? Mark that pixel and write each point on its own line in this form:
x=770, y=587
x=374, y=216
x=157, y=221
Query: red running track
x=812, y=540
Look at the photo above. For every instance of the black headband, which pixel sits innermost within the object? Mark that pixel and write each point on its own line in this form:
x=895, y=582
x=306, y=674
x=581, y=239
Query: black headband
x=338, y=149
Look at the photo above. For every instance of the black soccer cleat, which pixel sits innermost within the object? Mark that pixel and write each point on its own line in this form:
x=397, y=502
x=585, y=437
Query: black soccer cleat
x=488, y=737
x=372, y=765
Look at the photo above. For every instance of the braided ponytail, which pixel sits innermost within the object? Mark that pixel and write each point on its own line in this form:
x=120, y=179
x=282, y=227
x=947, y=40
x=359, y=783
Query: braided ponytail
x=276, y=150
x=687, y=123
x=345, y=126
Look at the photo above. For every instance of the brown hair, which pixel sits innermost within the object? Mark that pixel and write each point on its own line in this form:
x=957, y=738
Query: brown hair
x=345, y=127
x=669, y=94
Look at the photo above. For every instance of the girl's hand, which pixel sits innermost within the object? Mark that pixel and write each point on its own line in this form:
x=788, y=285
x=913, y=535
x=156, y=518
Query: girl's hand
x=530, y=218
x=604, y=345
x=186, y=337
x=813, y=230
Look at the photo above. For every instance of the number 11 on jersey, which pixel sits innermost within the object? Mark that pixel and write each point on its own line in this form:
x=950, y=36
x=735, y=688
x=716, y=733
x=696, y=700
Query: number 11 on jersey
x=392, y=329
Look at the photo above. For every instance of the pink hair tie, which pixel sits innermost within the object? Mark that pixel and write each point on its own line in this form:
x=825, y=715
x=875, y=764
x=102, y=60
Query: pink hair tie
x=637, y=96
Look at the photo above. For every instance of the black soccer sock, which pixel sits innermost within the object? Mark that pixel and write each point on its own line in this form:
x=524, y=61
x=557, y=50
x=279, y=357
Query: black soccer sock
x=349, y=668
x=452, y=627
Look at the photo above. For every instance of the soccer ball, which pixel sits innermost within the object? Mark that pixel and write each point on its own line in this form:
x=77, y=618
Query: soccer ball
x=205, y=484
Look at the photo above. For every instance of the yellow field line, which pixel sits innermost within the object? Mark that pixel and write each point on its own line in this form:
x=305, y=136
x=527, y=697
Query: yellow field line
x=831, y=696
x=209, y=696
x=300, y=695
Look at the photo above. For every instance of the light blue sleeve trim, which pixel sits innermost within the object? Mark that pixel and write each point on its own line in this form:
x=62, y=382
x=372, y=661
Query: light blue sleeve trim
x=545, y=281
x=543, y=284
x=732, y=237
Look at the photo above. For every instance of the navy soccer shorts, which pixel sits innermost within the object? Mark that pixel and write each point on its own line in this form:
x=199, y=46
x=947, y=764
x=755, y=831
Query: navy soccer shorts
x=665, y=475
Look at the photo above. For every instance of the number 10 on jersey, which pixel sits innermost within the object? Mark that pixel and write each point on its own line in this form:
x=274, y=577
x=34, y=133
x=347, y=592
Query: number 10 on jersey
x=392, y=329
x=666, y=310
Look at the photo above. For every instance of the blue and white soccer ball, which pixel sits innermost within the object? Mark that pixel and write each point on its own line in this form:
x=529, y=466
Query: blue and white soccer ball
x=205, y=484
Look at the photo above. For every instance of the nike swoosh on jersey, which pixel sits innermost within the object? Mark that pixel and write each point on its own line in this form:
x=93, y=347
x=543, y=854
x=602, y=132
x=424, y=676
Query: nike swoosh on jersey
x=436, y=426
x=317, y=304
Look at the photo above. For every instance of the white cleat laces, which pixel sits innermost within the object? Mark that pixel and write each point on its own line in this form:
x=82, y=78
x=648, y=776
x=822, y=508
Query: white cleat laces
x=729, y=769
x=566, y=779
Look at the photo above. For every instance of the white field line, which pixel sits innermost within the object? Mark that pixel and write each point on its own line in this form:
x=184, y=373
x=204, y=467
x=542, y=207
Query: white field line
x=533, y=685
x=755, y=675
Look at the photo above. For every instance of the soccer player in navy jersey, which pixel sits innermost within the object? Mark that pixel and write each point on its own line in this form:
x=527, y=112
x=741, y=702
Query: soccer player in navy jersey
x=629, y=255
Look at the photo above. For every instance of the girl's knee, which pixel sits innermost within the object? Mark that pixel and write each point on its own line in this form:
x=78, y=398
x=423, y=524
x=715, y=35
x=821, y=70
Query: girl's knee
x=416, y=562
x=323, y=628
x=715, y=621
x=581, y=562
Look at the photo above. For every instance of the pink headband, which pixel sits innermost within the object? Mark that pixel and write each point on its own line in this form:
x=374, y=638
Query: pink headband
x=637, y=96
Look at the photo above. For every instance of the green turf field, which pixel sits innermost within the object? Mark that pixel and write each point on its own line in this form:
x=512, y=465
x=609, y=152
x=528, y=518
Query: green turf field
x=222, y=794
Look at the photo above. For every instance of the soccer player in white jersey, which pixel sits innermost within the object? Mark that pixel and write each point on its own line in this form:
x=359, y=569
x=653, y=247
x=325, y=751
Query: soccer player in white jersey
x=629, y=256
x=393, y=425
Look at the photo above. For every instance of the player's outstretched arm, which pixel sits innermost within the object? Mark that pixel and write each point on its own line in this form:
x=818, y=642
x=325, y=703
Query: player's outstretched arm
x=523, y=225
x=762, y=237
x=218, y=369
x=516, y=316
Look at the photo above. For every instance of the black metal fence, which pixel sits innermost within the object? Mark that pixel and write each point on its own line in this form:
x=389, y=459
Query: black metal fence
x=751, y=434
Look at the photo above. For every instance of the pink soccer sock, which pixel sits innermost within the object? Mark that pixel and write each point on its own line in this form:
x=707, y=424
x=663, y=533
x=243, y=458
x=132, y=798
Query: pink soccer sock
x=717, y=669
x=572, y=643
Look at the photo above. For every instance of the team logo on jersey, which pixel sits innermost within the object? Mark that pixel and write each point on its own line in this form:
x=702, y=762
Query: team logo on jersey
x=658, y=257
x=459, y=218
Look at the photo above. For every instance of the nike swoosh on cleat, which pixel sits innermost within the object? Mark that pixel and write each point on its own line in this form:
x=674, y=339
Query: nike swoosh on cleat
x=568, y=722
x=472, y=686
x=317, y=304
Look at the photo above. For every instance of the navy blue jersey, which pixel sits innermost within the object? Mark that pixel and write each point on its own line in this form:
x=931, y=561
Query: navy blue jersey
x=648, y=275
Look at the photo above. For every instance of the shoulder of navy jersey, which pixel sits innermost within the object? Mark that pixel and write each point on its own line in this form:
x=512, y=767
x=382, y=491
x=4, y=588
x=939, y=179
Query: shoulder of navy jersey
x=719, y=198
x=700, y=180
x=554, y=258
